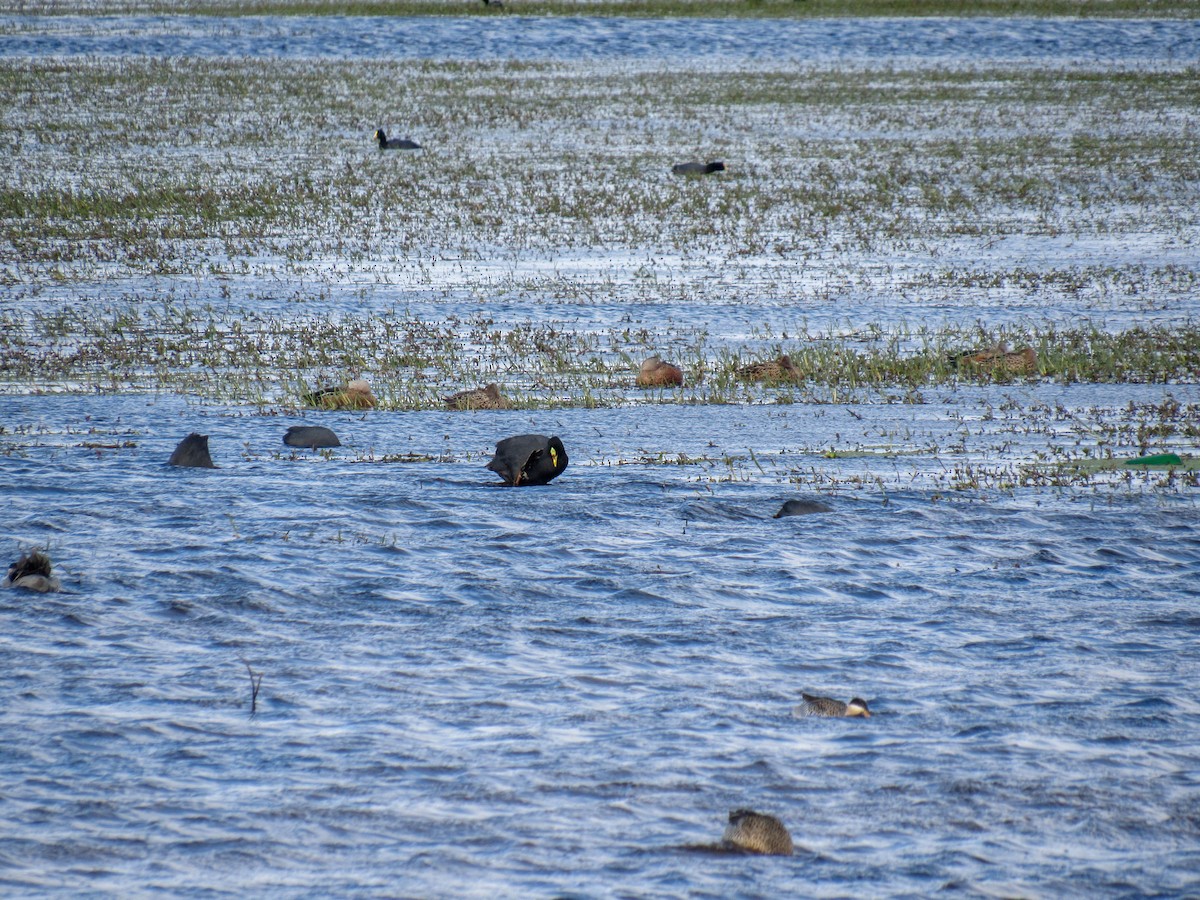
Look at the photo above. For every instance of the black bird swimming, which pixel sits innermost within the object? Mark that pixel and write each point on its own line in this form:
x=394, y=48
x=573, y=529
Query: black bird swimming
x=192, y=452
x=698, y=168
x=802, y=508
x=394, y=143
x=529, y=459
x=311, y=436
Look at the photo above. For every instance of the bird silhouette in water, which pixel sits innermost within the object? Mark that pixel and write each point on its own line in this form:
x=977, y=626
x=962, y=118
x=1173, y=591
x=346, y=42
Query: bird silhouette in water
x=802, y=508
x=529, y=459
x=192, y=453
x=394, y=143
x=698, y=168
x=314, y=437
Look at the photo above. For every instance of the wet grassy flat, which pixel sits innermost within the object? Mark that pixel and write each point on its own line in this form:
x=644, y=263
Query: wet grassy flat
x=227, y=228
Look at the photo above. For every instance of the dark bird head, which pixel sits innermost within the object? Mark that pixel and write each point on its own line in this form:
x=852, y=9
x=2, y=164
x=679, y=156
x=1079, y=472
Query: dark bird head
x=858, y=707
x=381, y=137
x=35, y=562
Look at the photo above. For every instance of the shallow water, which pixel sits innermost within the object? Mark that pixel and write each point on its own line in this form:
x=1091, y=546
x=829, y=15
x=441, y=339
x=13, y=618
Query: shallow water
x=842, y=41
x=474, y=691
x=469, y=689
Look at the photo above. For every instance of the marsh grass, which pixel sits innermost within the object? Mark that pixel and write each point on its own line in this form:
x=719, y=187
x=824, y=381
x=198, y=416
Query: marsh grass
x=251, y=244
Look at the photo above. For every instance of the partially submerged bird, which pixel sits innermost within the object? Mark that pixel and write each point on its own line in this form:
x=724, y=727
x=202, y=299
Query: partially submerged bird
x=756, y=833
x=830, y=708
x=192, y=452
x=802, y=508
x=486, y=397
x=1000, y=359
x=656, y=373
x=698, y=168
x=32, y=572
x=355, y=394
x=529, y=459
x=312, y=436
x=394, y=143
x=781, y=369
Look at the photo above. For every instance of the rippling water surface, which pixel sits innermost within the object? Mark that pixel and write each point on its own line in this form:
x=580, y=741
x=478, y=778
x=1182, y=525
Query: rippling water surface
x=904, y=41
x=473, y=691
x=468, y=689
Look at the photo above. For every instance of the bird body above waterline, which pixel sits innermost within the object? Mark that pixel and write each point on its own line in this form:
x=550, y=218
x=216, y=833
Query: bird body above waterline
x=192, y=453
x=802, y=508
x=394, y=143
x=656, y=373
x=32, y=572
x=529, y=459
x=757, y=833
x=830, y=708
x=698, y=168
x=314, y=437
x=781, y=369
x=486, y=397
x=1000, y=359
x=355, y=394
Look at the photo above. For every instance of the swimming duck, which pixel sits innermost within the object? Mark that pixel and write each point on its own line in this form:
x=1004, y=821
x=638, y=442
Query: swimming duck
x=802, y=508
x=756, y=833
x=656, y=373
x=33, y=573
x=486, y=397
x=698, y=168
x=312, y=436
x=394, y=143
x=192, y=452
x=781, y=369
x=529, y=459
x=355, y=394
x=1000, y=359
x=830, y=708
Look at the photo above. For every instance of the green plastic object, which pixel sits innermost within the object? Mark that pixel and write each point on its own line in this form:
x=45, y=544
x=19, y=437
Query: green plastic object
x=1159, y=459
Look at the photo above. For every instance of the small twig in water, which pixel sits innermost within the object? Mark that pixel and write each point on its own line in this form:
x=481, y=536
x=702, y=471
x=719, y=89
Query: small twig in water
x=255, y=684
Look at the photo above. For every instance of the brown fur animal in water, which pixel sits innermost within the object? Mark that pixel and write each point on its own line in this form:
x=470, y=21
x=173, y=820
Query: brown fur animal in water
x=781, y=369
x=486, y=397
x=757, y=833
x=656, y=373
x=355, y=394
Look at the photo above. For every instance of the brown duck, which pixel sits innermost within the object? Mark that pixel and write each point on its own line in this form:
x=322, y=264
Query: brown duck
x=354, y=394
x=656, y=373
x=781, y=369
x=1001, y=359
x=486, y=397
